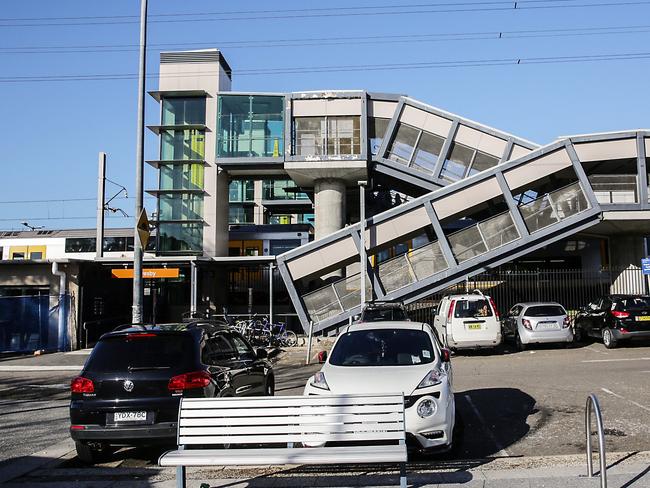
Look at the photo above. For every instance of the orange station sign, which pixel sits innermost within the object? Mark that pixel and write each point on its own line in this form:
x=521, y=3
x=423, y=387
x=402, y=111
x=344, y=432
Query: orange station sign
x=147, y=273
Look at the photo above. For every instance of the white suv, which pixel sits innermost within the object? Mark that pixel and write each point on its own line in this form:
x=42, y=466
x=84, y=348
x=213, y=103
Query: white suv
x=468, y=321
x=389, y=357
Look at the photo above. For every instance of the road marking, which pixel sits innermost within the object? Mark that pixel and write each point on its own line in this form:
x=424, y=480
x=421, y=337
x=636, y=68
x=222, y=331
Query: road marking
x=26, y=369
x=614, y=360
x=502, y=451
x=623, y=398
x=59, y=386
x=80, y=352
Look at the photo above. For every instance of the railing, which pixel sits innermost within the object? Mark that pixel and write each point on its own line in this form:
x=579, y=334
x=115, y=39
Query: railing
x=335, y=298
x=482, y=237
x=612, y=189
x=412, y=266
x=554, y=207
x=592, y=403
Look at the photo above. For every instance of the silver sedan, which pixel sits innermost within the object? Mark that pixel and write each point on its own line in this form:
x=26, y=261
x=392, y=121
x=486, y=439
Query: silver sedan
x=537, y=323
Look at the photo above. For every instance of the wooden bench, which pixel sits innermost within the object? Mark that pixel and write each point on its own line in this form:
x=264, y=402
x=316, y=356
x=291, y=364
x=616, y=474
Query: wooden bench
x=275, y=430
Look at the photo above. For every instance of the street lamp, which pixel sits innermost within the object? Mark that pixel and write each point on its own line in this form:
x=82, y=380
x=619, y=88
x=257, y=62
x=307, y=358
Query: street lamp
x=138, y=283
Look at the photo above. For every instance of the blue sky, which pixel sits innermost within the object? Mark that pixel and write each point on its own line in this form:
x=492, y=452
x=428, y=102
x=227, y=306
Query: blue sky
x=51, y=131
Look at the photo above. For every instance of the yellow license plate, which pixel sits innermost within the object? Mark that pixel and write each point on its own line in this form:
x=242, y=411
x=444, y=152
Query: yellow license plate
x=643, y=318
x=473, y=326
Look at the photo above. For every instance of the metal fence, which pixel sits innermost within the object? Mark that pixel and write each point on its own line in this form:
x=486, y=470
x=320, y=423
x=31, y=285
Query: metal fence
x=31, y=323
x=572, y=288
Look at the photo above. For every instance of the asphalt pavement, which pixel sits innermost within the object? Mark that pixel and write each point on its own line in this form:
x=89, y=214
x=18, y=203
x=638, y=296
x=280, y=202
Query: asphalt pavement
x=525, y=408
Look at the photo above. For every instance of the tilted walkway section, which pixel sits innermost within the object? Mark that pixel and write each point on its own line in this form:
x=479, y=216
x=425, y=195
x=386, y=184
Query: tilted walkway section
x=427, y=148
x=472, y=225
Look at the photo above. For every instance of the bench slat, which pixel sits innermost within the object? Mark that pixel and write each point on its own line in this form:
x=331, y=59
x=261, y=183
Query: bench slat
x=319, y=400
x=256, y=457
x=285, y=411
x=282, y=439
x=291, y=420
x=293, y=429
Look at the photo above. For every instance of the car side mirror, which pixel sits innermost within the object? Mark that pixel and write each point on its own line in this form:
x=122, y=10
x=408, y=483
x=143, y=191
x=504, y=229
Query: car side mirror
x=446, y=355
x=262, y=354
x=356, y=317
x=322, y=356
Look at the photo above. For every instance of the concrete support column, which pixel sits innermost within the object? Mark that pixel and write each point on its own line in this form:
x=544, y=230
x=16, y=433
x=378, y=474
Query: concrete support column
x=329, y=203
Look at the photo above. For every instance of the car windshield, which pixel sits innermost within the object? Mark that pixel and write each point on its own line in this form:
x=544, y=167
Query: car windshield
x=544, y=311
x=632, y=303
x=472, y=308
x=141, y=351
x=380, y=314
x=383, y=347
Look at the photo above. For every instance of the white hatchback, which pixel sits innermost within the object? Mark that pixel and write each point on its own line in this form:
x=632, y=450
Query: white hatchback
x=388, y=357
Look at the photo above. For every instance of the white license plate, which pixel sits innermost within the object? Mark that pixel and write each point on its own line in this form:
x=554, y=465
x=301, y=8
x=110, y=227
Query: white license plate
x=130, y=416
x=547, y=326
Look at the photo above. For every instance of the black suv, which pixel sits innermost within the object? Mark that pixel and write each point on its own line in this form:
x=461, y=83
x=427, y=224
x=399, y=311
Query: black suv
x=614, y=318
x=379, y=311
x=130, y=387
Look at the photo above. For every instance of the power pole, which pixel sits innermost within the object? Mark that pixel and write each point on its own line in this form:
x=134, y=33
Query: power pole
x=138, y=288
x=101, y=197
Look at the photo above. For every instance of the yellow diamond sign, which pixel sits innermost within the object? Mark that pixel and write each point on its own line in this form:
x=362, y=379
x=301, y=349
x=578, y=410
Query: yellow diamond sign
x=143, y=228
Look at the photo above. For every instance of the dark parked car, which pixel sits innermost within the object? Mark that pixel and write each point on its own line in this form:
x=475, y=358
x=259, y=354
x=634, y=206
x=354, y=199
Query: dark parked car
x=614, y=318
x=130, y=387
x=379, y=311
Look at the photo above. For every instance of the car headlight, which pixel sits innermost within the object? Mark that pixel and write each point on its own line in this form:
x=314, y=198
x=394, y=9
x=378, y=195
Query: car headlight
x=427, y=408
x=319, y=381
x=433, y=378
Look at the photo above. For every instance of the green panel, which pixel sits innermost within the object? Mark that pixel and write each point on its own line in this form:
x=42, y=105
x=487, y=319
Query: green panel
x=180, y=237
x=182, y=144
x=277, y=190
x=179, y=110
x=181, y=206
x=181, y=177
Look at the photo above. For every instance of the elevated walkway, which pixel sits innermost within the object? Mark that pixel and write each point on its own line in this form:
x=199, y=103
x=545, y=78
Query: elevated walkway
x=469, y=226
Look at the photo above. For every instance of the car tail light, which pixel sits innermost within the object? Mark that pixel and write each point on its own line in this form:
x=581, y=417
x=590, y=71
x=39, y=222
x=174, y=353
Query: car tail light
x=620, y=315
x=77, y=427
x=188, y=381
x=139, y=335
x=494, y=307
x=82, y=385
x=526, y=324
x=451, y=309
x=566, y=323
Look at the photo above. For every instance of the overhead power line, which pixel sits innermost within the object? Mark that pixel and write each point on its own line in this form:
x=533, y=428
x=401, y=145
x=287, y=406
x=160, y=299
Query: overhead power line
x=344, y=68
x=338, y=12
x=345, y=40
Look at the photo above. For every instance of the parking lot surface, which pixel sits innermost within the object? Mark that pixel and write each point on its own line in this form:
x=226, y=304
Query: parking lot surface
x=516, y=405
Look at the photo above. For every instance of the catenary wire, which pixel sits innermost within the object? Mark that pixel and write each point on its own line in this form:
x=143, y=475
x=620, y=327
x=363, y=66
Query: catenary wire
x=344, y=68
x=299, y=42
x=204, y=18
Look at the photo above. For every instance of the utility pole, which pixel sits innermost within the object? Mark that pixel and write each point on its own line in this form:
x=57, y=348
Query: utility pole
x=138, y=288
x=363, y=264
x=101, y=197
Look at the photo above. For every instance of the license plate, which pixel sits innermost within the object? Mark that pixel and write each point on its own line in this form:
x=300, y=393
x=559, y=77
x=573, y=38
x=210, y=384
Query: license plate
x=643, y=318
x=546, y=326
x=473, y=326
x=130, y=416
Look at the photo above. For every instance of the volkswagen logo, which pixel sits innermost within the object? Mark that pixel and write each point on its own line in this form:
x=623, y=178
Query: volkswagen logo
x=128, y=385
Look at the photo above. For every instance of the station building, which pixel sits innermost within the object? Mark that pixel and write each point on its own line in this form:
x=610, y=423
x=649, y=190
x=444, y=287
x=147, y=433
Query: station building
x=259, y=187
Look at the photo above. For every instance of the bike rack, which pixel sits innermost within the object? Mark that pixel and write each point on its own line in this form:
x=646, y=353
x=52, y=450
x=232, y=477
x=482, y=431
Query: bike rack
x=592, y=404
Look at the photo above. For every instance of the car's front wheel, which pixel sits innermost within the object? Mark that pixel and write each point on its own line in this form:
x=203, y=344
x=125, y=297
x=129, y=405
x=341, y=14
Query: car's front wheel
x=608, y=339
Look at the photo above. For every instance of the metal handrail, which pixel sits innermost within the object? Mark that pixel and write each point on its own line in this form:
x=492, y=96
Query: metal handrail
x=592, y=403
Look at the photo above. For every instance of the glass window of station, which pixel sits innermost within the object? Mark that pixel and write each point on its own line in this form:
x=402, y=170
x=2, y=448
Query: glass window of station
x=180, y=238
x=241, y=191
x=285, y=189
x=183, y=110
x=250, y=126
x=327, y=136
